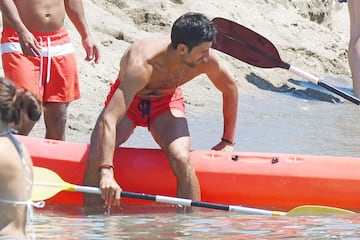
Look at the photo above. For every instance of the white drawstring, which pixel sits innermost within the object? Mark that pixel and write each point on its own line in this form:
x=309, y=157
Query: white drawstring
x=29, y=205
x=41, y=64
x=49, y=60
x=29, y=211
x=30, y=214
x=46, y=53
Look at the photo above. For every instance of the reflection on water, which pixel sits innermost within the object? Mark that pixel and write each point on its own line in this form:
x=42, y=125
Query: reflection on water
x=207, y=224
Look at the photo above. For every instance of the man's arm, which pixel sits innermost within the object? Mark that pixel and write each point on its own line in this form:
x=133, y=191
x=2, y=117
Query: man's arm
x=225, y=83
x=11, y=16
x=137, y=76
x=75, y=11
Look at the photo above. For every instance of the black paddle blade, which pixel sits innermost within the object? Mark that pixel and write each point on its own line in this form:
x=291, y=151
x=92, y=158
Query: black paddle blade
x=246, y=45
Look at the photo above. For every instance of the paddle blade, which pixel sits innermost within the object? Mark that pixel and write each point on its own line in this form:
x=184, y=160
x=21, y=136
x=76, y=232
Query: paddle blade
x=47, y=184
x=315, y=210
x=246, y=45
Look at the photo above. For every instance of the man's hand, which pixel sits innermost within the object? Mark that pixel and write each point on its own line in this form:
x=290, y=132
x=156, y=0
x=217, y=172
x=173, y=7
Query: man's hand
x=223, y=146
x=110, y=190
x=92, y=50
x=29, y=45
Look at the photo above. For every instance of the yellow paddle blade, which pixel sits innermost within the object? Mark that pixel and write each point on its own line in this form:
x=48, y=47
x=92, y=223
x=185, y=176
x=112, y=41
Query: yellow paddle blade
x=47, y=184
x=315, y=210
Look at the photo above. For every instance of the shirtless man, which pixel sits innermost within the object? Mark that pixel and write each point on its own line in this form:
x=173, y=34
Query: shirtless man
x=147, y=93
x=37, y=55
x=354, y=44
x=15, y=162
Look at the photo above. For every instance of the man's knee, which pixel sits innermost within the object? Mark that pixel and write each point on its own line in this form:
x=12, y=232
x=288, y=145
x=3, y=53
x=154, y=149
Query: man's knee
x=181, y=164
x=56, y=111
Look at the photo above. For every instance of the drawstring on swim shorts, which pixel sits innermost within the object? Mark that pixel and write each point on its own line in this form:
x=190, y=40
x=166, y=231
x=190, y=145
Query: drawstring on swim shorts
x=144, y=107
x=48, y=55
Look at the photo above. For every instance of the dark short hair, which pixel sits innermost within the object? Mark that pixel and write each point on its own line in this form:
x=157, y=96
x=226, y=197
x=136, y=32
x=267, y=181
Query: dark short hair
x=192, y=29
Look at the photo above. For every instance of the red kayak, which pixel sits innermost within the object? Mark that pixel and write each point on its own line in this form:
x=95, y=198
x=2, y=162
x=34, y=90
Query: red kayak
x=259, y=180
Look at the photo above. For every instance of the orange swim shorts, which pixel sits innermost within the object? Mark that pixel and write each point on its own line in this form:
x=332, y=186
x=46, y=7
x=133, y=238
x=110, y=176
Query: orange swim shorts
x=53, y=76
x=143, y=111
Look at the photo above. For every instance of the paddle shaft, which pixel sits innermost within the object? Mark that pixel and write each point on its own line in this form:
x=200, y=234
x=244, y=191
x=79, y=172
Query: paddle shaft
x=48, y=183
x=325, y=85
x=183, y=202
x=298, y=211
x=254, y=49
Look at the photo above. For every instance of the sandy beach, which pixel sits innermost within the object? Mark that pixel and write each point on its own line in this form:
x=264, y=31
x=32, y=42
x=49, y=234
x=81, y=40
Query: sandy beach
x=313, y=35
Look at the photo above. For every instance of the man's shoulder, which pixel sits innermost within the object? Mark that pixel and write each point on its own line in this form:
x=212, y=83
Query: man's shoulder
x=152, y=40
x=213, y=58
x=147, y=48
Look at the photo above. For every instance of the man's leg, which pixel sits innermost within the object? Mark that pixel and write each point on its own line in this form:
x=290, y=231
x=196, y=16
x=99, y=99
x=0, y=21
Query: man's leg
x=172, y=134
x=25, y=126
x=354, y=44
x=55, y=115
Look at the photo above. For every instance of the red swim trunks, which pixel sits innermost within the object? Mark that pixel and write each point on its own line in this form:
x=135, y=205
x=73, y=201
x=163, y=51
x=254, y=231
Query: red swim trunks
x=143, y=111
x=53, y=76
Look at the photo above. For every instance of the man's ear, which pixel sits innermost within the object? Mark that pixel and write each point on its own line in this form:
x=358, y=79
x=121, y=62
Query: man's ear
x=182, y=48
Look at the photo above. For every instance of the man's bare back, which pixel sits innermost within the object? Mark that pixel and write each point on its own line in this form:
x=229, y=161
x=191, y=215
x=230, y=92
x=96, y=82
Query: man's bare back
x=40, y=15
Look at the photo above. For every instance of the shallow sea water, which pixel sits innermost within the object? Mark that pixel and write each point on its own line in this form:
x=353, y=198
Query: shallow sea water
x=204, y=224
x=293, y=122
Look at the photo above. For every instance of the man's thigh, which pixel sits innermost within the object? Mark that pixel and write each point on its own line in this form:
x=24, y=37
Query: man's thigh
x=169, y=129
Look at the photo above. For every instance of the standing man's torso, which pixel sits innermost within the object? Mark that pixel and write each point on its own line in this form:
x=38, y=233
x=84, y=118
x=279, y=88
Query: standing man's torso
x=40, y=15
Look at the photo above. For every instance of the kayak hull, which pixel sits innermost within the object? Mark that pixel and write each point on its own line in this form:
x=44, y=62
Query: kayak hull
x=260, y=180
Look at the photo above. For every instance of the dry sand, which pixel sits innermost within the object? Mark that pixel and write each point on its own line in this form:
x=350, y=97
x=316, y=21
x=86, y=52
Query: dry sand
x=312, y=35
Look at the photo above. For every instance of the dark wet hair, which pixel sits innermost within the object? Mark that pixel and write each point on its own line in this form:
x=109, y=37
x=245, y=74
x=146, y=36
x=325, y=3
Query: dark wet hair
x=13, y=101
x=192, y=29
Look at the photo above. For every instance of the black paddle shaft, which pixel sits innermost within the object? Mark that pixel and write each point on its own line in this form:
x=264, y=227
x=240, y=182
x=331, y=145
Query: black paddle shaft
x=188, y=202
x=248, y=46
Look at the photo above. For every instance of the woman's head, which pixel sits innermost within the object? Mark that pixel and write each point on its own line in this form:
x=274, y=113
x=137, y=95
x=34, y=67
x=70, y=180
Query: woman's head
x=13, y=101
x=192, y=29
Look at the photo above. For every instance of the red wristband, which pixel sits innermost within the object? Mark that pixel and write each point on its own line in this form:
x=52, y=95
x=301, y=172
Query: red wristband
x=107, y=166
